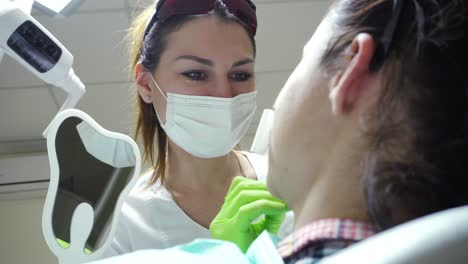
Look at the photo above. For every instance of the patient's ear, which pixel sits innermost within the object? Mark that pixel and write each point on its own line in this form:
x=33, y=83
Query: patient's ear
x=353, y=81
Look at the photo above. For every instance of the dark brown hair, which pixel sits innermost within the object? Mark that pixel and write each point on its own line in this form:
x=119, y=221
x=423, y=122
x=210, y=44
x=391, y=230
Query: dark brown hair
x=417, y=162
x=148, y=52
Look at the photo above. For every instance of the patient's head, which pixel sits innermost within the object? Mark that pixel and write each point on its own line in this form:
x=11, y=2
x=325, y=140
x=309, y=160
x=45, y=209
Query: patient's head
x=388, y=125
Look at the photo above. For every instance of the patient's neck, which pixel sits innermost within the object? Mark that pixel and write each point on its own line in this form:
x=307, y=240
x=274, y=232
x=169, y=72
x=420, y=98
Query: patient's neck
x=337, y=191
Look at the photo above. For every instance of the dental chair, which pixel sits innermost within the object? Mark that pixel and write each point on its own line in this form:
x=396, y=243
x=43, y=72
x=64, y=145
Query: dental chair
x=438, y=238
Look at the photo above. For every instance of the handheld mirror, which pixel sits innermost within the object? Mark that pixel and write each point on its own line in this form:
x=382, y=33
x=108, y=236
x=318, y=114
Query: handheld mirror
x=92, y=170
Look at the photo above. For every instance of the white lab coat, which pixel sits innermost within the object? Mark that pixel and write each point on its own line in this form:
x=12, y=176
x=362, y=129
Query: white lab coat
x=150, y=219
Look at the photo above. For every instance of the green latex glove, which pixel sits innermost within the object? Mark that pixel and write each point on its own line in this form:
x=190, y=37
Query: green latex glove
x=246, y=201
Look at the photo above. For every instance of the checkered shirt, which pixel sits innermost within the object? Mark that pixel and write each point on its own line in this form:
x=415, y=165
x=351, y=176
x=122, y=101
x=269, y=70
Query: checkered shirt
x=322, y=238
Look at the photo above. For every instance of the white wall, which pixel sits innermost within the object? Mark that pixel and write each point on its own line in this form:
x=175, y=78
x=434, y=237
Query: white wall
x=21, y=239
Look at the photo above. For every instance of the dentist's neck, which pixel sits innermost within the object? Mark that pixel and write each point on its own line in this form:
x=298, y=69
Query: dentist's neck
x=185, y=172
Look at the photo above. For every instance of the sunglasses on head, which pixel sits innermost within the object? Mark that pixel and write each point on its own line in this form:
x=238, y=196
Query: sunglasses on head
x=244, y=10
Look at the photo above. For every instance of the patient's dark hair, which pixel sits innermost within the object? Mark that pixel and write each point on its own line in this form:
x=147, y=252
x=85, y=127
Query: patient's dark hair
x=418, y=157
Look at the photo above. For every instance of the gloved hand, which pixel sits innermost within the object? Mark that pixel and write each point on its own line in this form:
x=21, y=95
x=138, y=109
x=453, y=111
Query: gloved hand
x=246, y=201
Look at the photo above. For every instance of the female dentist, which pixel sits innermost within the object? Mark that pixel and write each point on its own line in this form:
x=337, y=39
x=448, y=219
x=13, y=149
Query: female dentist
x=193, y=65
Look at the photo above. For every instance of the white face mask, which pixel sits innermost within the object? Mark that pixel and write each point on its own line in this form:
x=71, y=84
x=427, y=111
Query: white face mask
x=207, y=127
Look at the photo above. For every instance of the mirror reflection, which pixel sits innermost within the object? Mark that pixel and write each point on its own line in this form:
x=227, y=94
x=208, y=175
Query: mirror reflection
x=94, y=169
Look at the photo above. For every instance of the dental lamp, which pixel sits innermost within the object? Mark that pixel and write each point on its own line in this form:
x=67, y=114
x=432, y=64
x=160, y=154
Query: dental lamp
x=62, y=7
x=30, y=44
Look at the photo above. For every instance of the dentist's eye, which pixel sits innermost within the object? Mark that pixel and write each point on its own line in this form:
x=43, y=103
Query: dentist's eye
x=195, y=75
x=241, y=76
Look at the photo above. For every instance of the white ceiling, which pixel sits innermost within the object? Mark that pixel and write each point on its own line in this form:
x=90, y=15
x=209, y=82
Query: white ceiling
x=95, y=36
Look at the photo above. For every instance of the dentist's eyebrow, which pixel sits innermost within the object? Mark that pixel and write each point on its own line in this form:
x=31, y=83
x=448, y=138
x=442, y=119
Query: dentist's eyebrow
x=243, y=62
x=196, y=59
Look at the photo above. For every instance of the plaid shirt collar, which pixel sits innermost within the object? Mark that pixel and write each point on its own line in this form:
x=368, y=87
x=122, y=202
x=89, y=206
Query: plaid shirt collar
x=324, y=230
